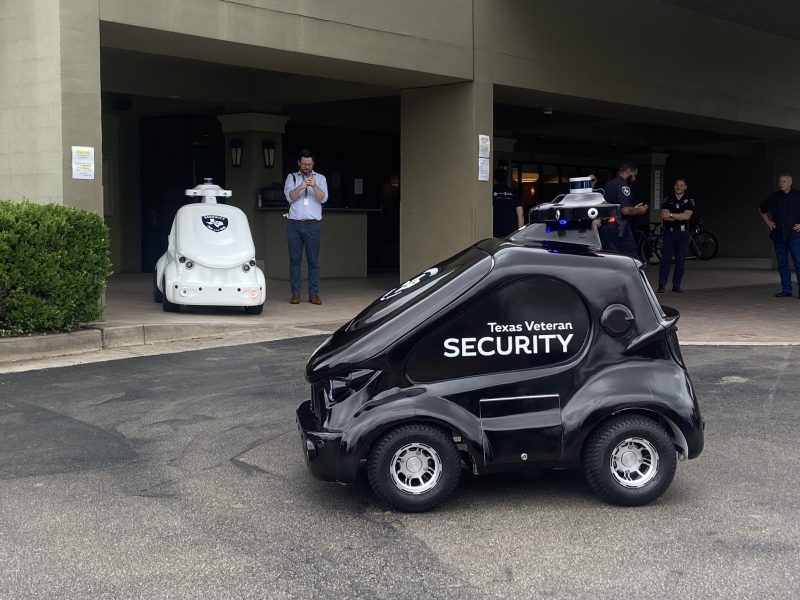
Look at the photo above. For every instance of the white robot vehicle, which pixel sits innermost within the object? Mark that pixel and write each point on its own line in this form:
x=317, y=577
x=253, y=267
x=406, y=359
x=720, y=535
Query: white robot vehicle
x=210, y=258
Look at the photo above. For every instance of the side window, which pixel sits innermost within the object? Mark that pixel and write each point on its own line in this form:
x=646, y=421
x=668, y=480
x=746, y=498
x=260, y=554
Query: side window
x=528, y=323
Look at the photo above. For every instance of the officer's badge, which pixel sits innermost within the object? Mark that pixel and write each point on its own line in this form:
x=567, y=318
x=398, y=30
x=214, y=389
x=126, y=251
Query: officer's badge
x=626, y=191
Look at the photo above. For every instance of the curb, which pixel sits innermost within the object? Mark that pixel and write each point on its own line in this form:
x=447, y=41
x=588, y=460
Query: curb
x=104, y=337
x=48, y=346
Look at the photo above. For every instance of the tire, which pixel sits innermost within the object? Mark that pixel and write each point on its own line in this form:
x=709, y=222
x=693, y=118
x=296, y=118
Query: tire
x=643, y=442
x=400, y=456
x=704, y=245
x=166, y=304
x=157, y=295
x=651, y=250
x=254, y=310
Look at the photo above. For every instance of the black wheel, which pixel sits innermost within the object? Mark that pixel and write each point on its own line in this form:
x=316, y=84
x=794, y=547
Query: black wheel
x=650, y=252
x=166, y=304
x=414, y=468
x=254, y=310
x=157, y=295
x=704, y=245
x=629, y=460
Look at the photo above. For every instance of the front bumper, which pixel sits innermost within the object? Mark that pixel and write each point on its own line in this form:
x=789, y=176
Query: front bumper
x=196, y=294
x=321, y=448
x=213, y=286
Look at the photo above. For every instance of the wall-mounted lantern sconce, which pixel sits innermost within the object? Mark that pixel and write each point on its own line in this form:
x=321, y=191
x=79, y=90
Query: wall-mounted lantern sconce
x=236, y=153
x=268, y=148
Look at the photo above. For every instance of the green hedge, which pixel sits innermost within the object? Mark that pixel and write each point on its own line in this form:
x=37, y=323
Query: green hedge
x=54, y=261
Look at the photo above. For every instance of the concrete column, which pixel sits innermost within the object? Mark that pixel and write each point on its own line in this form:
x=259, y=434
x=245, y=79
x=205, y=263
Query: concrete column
x=50, y=65
x=443, y=206
x=245, y=181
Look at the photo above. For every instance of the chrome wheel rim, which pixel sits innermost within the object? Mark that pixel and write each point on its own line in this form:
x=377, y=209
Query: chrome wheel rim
x=416, y=468
x=634, y=462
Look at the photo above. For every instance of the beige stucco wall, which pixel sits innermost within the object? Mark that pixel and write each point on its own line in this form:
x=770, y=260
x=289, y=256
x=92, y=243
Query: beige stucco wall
x=50, y=69
x=444, y=207
x=30, y=107
x=643, y=53
x=358, y=40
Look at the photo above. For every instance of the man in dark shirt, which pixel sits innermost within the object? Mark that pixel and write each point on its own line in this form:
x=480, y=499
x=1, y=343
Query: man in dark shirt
x=618, y=236
x=507, y=209
x=781, y=213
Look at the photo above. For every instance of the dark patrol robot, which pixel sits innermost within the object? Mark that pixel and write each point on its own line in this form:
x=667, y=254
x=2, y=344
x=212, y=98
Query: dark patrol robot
x=534, y=350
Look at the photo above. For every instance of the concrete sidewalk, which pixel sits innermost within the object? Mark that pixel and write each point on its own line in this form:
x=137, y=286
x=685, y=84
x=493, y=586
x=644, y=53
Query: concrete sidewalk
x=727, y=301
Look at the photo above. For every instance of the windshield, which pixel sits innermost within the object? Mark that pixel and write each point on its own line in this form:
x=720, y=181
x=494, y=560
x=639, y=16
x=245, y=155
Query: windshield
x=418, y=287
x=399, y=311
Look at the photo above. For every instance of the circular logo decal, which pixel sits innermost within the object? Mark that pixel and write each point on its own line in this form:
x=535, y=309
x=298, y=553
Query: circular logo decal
x=215, y=223
x=410, y=283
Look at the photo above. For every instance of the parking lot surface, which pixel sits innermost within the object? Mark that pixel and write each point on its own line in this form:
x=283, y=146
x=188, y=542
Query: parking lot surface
x=182, y=476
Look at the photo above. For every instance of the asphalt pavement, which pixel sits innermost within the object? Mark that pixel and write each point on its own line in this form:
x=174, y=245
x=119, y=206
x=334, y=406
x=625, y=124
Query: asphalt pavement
x=182, y=476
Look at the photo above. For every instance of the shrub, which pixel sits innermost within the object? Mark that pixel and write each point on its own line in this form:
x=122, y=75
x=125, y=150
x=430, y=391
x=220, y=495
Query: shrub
x=54, y=261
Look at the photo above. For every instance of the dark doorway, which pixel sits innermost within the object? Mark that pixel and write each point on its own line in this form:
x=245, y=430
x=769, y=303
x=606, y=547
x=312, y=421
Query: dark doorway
x=177, y=153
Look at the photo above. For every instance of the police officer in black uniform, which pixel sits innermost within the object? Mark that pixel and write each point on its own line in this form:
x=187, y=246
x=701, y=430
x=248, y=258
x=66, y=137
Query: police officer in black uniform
x=618, y=236
x=676, y=212
x=506, y=206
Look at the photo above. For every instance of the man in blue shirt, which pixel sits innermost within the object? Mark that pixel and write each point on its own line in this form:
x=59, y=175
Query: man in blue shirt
x=781, y=213
x=306, y=191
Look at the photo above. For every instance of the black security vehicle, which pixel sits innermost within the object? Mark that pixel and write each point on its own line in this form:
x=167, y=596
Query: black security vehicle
x=539, y=349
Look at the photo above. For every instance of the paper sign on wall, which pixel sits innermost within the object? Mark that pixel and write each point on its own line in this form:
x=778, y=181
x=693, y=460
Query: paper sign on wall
x=484, y=146
x=483, y=169
x=82, y=162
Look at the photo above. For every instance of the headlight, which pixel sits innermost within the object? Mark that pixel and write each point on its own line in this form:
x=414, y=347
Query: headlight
x=339, y=388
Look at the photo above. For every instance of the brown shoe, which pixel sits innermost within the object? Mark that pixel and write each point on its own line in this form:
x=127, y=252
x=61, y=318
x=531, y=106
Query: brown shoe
x=314, y=299
x=295, y=299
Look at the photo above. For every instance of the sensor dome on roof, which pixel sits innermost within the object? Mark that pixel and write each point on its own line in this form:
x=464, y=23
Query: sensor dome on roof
x=580, y=185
